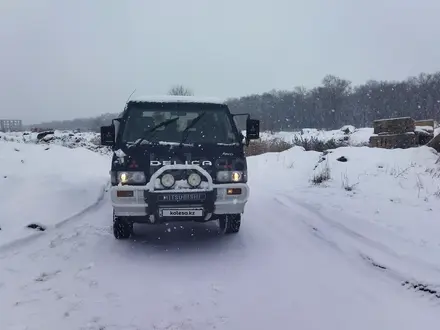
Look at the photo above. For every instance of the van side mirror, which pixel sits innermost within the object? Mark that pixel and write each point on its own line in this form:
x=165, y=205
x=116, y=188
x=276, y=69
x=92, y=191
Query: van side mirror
x=108, y=135
x=252, y=129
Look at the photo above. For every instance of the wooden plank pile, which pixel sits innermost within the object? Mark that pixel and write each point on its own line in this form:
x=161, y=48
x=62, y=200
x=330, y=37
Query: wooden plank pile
x=403, y=132
x=424, y=130
x=425, y=123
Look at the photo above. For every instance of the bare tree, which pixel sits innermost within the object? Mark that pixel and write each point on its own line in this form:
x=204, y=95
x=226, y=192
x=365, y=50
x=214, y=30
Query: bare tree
x=180, y=90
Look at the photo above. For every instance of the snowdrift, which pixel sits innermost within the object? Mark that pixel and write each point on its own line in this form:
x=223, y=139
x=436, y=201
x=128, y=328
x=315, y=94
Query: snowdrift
x=46, y=184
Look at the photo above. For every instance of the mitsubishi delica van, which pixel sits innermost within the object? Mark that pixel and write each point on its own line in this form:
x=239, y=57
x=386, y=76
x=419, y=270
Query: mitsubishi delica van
x=177, y=158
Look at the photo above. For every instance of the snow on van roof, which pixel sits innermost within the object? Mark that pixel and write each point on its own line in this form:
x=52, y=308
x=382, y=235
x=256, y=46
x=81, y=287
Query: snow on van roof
x=177, y=98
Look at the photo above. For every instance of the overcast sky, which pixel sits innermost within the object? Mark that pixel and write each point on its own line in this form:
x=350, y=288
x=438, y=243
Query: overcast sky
x=63, y=59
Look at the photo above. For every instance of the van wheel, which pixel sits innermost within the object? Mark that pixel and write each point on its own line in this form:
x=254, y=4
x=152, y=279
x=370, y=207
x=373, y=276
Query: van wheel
x=122, y=229
x=230, y=223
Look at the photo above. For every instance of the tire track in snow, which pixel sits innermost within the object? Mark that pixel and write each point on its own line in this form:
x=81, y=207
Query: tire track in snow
x=311, y=227
x=315, y=220
x=325, y=226
x=331, y=226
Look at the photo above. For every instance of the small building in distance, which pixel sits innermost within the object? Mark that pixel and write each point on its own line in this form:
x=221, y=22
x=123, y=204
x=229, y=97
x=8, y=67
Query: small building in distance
x=11, y=125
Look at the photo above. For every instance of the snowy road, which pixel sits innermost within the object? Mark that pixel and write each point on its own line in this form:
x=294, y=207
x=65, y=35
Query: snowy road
x=288, y=268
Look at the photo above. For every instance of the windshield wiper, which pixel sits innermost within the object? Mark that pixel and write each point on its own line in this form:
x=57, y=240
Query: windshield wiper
x=185, y=132
x=152, y=130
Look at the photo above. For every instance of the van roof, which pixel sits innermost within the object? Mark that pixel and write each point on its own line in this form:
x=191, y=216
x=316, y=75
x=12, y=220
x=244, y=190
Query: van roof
x=176, y=99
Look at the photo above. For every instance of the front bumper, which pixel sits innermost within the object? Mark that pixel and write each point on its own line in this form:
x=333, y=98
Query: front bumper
x=147, y=201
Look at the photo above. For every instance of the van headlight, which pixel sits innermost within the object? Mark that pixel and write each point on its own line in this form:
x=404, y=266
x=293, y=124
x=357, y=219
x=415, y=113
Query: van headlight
x=231, y=176
x=131, y=177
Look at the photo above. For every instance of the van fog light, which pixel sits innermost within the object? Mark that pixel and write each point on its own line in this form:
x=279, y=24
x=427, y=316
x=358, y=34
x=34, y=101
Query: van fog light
x=194, y=180
x=167, y=180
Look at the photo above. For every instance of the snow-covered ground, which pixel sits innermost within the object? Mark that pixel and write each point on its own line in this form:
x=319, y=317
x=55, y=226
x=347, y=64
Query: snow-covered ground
x=360, y=250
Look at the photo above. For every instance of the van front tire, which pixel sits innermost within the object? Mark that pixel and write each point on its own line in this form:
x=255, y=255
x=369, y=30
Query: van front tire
x=122, y=229
x=230, y=223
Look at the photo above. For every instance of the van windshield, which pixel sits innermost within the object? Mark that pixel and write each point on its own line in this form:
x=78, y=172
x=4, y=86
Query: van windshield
x=213, y=125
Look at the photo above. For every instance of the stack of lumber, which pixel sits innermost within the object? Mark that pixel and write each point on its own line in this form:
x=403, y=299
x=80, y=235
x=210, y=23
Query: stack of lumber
x=403, y=132
x=394, y=126
x=424, y=130
x=425, y=123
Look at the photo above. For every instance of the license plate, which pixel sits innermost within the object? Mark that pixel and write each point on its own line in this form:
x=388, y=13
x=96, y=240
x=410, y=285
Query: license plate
x=170, y=197
x=182, y=212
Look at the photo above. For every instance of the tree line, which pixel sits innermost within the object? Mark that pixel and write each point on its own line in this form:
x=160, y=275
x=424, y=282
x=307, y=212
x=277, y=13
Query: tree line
x=336, y=102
